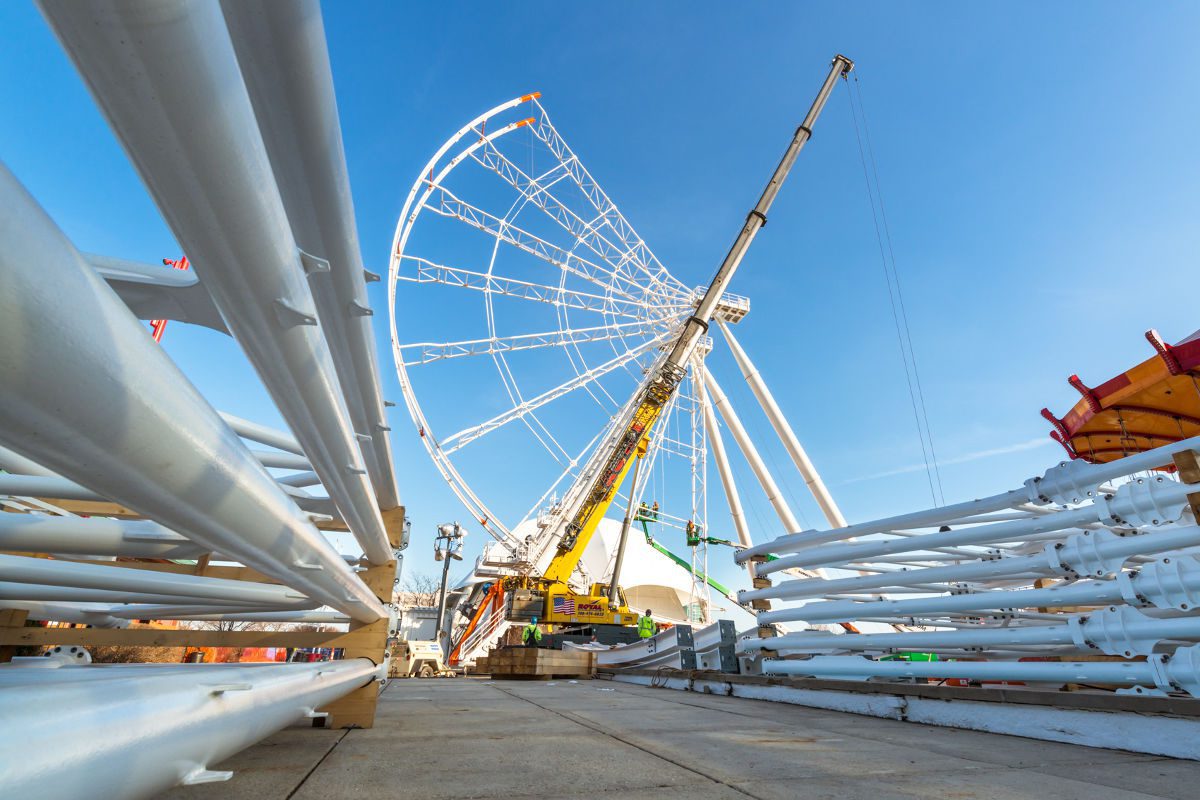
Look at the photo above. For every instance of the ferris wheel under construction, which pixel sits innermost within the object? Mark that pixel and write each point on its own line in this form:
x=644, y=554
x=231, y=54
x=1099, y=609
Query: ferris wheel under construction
x=557, y=375
x=576, y=305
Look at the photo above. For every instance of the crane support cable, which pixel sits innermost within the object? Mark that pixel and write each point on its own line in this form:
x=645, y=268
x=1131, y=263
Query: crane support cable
x=887, y=255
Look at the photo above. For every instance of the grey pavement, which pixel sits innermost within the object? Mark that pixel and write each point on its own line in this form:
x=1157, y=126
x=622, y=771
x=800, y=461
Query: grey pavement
x=477, y=738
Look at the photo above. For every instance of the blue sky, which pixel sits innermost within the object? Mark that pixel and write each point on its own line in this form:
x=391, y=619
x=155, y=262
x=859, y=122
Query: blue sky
x=1037, y=163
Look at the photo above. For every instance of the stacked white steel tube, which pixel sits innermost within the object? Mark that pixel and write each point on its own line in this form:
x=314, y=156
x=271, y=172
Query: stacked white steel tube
x=167, y=78
x=240, y=147
x=1084, y=559
x=161, y=724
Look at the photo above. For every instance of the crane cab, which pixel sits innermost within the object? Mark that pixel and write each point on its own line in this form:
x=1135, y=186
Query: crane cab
x=555, y=604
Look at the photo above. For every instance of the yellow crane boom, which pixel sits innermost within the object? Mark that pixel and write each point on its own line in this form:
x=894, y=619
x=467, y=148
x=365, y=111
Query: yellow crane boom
x=654, y=394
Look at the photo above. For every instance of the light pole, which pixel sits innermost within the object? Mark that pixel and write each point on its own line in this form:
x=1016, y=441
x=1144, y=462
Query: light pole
x=447, y=547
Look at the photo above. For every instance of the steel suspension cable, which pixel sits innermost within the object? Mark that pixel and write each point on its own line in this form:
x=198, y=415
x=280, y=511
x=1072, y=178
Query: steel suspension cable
x=887, y=233
x=905, y=352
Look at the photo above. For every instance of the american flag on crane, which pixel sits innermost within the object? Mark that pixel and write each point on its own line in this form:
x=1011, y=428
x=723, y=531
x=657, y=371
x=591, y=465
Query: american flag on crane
x=564, y=605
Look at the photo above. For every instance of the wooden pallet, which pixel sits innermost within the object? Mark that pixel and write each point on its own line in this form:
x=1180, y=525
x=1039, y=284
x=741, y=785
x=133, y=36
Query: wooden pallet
x=528, y=663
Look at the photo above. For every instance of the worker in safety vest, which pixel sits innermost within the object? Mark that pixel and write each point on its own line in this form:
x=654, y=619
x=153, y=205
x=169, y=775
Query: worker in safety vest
x=531, y=635
x=646, y=626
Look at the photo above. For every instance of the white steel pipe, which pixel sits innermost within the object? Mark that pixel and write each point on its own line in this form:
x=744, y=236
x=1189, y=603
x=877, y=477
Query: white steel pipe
x=844, y=552
x=1149, y=502
x=159, y=728
x=1068, y=483
x=732, y=498
x=14, y=462
x=94, y=614
x=1125, y=632
x=614, y=586
x=1181, y=671
x=283, y=57
x=178, y=611
x=166, y=77
x=769, y=487
x=95, y=536
x=309, y=617
x=91, y=397
x=1079, y=555
x=1168, y=583
x=917, y=519
x=20, y=569
x=784, y=430
x=300, y=480
x=263, y=434
x=76, y=594
x=52, y=486
x=1030, y=566
x=274, y=460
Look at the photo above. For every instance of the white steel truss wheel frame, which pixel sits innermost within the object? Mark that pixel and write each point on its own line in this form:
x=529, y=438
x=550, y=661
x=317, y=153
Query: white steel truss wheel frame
x=623, y=283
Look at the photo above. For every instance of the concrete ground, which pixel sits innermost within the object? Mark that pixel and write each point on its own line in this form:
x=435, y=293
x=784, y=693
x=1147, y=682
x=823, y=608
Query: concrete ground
x=476, y=738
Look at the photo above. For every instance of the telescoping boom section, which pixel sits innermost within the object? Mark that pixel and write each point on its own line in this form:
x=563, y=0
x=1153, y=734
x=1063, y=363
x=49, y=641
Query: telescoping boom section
x=657, y=391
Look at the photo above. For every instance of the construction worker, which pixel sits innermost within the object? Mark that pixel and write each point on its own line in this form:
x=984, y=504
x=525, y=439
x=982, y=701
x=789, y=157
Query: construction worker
x=646, y=626
x=654, y=511
x=643, y=514
x=532, y=635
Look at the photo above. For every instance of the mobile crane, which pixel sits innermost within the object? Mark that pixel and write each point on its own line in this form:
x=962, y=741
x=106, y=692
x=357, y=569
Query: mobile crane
x=549, y=596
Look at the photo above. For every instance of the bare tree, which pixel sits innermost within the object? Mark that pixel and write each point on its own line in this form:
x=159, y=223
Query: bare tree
x=419, y=589
x=229, y=625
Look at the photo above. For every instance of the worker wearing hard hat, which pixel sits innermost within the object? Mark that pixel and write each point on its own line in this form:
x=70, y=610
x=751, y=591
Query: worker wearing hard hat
x=646, y=626
x=531, y=635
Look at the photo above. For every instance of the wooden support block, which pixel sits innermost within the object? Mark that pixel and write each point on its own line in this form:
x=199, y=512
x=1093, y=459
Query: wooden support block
x=357, y=709
x=530, y=662
x=1188, y=465
x=365, y=640
x=393, y=523
x=12, y=618
x=381, y=581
